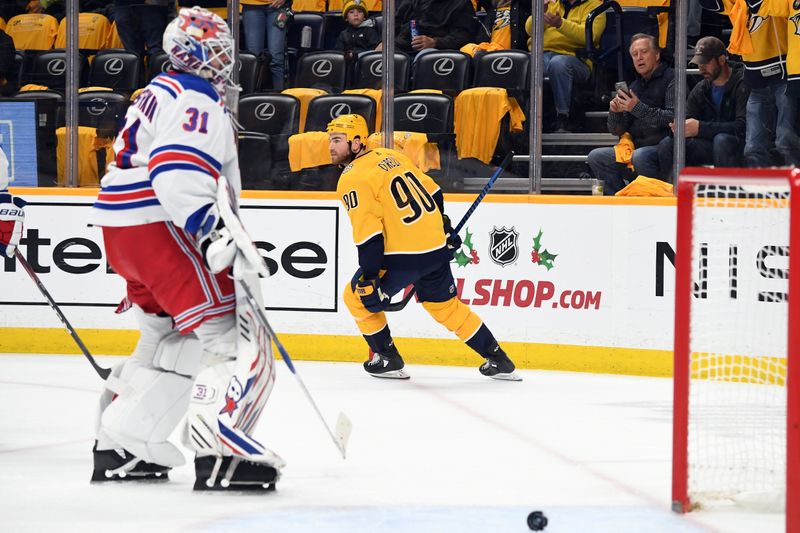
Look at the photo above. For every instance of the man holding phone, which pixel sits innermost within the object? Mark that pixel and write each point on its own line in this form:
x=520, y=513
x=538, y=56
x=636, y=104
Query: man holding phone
x=644, y=110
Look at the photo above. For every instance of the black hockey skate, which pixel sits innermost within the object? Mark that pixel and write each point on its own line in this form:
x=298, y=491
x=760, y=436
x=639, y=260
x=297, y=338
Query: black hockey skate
x=121, y=465
x=388, y=364
x=233, y=473
x=499, y=366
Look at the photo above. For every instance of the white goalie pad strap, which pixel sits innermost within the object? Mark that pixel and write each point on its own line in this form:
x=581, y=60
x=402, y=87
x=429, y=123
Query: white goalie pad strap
x=228, y=398
x=142, y=421
x=179, y=353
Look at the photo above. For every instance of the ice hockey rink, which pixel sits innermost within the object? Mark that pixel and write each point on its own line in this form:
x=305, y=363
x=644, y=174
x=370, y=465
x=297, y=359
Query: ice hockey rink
x=447, y=451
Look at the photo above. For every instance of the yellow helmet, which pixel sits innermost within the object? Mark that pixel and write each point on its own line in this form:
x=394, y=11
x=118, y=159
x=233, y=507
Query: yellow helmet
x=351, y=126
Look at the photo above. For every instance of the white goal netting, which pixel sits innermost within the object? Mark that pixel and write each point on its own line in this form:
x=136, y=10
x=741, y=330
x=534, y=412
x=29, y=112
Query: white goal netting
x=738, y=329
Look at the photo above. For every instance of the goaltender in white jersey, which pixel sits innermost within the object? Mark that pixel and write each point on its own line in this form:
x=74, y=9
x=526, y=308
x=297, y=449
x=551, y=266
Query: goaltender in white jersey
x=159, y=209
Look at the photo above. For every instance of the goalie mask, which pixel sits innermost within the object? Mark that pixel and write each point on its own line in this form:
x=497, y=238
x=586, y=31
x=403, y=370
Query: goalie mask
x=199, y=42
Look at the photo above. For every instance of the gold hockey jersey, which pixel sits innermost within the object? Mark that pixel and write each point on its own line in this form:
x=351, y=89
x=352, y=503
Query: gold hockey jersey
x=789, y=10
x=385, y=195
x=766, y=61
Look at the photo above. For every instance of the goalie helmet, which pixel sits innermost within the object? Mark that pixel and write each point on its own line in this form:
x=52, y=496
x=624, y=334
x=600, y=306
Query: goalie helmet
x=199, y=42
x=351, y=126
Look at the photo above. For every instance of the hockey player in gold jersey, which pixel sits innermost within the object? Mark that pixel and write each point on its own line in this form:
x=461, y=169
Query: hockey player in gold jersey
x=403, y=237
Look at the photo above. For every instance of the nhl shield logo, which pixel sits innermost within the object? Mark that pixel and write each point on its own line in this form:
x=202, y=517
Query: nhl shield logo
x=503, y=248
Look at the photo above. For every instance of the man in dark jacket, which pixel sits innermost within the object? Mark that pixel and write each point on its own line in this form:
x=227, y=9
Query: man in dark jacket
x=645, y=111
x=716, y=111
x=440, y=25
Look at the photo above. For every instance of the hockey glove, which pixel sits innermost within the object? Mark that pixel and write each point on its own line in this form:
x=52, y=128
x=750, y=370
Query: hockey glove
x=373, y=298
x=453, y=240
x=11, y=221
x=215, y=242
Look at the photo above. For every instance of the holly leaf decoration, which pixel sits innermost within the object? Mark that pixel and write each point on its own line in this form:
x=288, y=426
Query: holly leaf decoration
x=462, y=259
x=467, y=239
x=537, y=241
x=546, y=259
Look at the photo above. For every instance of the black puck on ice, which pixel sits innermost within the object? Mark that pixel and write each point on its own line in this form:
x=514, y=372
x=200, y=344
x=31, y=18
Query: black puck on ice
x=537, y=521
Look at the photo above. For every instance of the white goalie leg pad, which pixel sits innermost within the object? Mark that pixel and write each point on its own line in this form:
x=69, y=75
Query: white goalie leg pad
x=229, y=395
x=142, y=420
x=153, y=329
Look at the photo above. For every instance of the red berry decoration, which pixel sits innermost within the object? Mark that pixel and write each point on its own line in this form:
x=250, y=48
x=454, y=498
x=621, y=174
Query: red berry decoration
x=535, y=257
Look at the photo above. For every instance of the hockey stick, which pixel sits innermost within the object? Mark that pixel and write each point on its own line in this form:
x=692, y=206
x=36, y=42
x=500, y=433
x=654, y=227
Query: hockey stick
x=398, y=306
x=102, y=372
x=343, y=424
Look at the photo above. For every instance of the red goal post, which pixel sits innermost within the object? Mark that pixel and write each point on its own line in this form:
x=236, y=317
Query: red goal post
x=736, y=411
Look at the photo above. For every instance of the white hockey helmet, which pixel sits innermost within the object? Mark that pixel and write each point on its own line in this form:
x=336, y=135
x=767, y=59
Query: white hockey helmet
x=199, y=42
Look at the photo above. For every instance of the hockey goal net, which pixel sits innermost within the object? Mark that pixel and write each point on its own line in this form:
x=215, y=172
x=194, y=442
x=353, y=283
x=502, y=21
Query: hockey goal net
x=736, y=428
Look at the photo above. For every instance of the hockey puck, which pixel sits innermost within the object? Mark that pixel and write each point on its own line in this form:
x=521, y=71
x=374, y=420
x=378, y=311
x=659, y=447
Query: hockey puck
x=537, y=521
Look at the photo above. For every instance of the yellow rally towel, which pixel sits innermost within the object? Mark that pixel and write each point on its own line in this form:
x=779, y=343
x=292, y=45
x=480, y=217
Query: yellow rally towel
x=740, y=41
x=33, y=87
x=32, y=31
x=305, y=95
x=644, y=186
x=477, y=117
x=413, y=145
x=427, y=91
x=309, y=149
x=375, y=94
x=471, y=48
x=94, y=32
x=94, y=155
x=623, y=150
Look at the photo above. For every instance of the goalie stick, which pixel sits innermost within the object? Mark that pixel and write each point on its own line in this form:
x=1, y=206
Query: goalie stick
x=102, y=372
x=400, y=305
x=251, y=256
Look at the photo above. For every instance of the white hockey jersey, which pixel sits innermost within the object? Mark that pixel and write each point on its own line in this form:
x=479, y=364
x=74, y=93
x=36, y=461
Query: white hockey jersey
x=177, y=140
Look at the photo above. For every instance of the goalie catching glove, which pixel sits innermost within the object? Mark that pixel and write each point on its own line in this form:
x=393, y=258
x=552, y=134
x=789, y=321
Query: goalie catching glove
x=371, y=294
x=12, y=218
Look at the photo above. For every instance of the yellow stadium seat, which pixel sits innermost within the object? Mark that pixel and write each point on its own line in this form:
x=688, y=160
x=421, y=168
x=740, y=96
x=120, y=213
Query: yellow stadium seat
x=32, y=31
x=94, y=32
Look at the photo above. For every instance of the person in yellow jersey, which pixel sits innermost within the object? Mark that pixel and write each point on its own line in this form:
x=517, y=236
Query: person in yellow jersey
x=403, y=237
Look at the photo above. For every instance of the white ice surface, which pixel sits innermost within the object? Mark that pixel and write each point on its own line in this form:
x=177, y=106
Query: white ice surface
x=448, y=451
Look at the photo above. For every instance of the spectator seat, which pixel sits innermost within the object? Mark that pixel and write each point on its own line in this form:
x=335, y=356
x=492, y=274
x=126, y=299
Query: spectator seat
x=322, y=70
x=369, y=69
x=446, y=70
x=119, y=70
x=156, y=64
x=323, y=109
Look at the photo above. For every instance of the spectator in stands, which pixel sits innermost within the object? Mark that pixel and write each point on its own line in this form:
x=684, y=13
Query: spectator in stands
x=565, y=32
x=771, y=110
x=439, y=25
x=495, y=37
x=267, y=18
x=716, y=111
x=361, y=34
x=519, y=11
x=141, y=24
x=7, y=85
x=644, y=111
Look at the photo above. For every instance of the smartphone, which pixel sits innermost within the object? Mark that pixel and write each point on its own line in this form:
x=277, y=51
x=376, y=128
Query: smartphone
x=622, y=86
